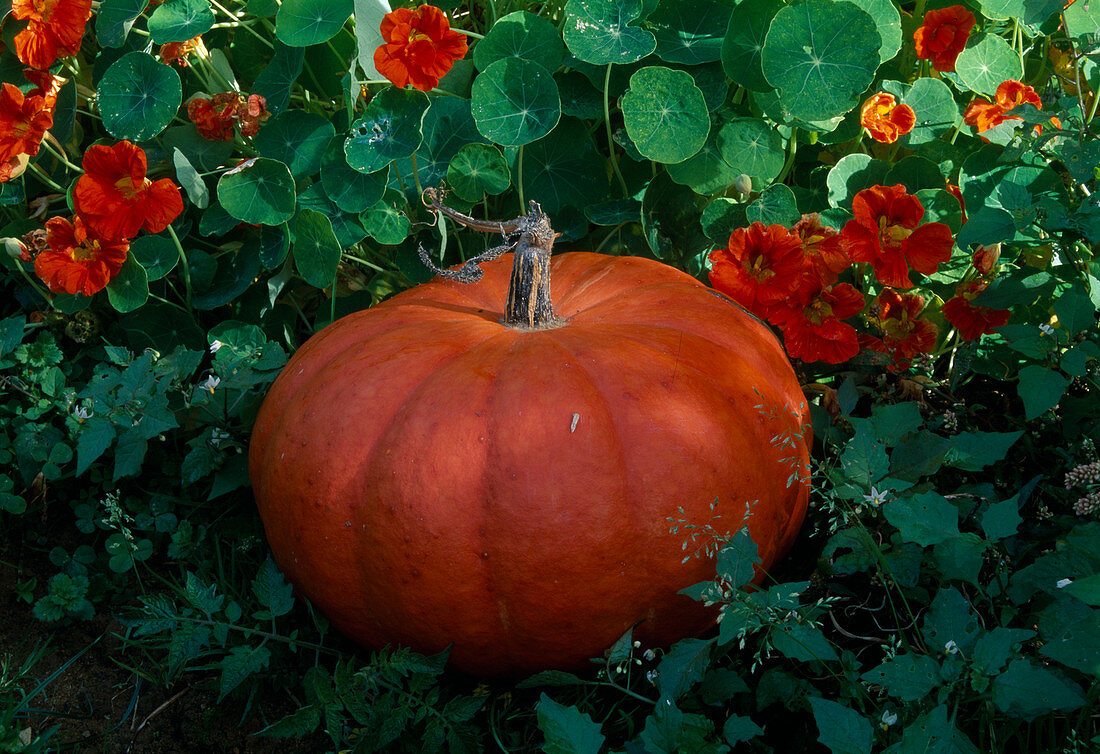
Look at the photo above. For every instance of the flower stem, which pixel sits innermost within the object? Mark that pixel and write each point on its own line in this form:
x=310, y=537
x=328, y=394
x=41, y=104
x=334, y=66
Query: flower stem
x=607, y=125
x=184, y=267
x=519, y=179
x=42, y=176
x=59, y=153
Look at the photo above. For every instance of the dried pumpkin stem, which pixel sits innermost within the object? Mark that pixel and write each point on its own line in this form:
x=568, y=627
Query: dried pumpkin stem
x=531, y=238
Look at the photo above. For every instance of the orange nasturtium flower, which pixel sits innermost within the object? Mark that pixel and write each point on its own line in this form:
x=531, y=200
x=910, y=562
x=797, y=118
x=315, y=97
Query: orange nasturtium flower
x=972, y=321
x=76, y=261
x=813, y=330
x=116, y=200
x=887, y=232
x=943, y=35
x=885, y=119
x=175, y=53
x=55, y=29
x=759, y=268
x=1010, y=94
x=419, y=47
x=24, y=120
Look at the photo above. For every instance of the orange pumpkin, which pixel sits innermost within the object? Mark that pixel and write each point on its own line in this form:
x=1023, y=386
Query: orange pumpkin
x=432, y=475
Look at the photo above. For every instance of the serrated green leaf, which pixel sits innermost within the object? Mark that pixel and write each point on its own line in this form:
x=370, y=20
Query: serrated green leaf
x=271, y=589
x=1040, y=389
x=927, y=518
x=1027, y=689
x=567, y=729
x=841, y=729
x=683, y=666
x=908, y=677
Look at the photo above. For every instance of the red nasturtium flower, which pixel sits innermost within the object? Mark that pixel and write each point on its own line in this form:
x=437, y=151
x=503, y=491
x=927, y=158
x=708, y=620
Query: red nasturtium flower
x=985, y=259
x=76, y=261
x=175, y=53
x=823, y=249
x=972, y=321
x=24, y=120
x=887, y=232
x=116, y=200
x=904, y=333
x=54, y=29
x=885, y=119
x=759, y=268
x=813, y=330
x=214, y=118
x=943, y=36
x=419, y=48
x=984, y=115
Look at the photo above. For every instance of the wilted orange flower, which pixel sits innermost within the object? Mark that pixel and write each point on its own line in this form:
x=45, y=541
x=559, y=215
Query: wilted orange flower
x=116, y=200
x=214, y=118
x=971, y=320
x=175, y=53
x=55, y=29
x=759, y=268
x=23, y=122
x=419, y=48
x=904, y=333
x=887, y=232
x=14, y=167
x=814, y=330
x=76, y=261
x=885, y=119
x=943, y=36
x=985, y=259
x=984, y=115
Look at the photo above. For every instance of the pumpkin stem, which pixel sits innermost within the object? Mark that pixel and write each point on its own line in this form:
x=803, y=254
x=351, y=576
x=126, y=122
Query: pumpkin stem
x=531, y=237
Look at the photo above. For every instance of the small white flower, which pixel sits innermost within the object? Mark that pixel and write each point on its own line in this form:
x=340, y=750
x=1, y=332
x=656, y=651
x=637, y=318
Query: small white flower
x=1046, y=329
x=651, y=676
x=211, y=383
x=215, y=345
x=876, y=497
x=80, y=413
x=951, y=647
x=217, y=437
x=649, y=654
x=1063, y=583
x=889, y=717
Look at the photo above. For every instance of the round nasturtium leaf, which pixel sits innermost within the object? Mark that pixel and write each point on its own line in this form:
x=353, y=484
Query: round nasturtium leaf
x=776, y=205
x=345, y=225
x=888, y=22
x=986, y=61
x=1082, y=18
x=821, y=55
x=476, y=170
x=129, y=289
x=521, y=35
x=301, y=23
x=386, y=221
x=565, y=169
x=157, y=254
x=915, y=173
x=315, y=248
x=138, y=97
x=720, y=217
x=114, y=19
x=597, y=31
x=705, y=172
x=851, y=174
x=349, y=189
x=448, y=125
x=690, y=35
x=665, y=114
x=260, y=191
x=389, y=129
x=753, y=147
x=744, y=41
x=180, y=20
x=1031, y=12
x=670, y=220
x=933, y=104
x=514, y=102
x=297, y=138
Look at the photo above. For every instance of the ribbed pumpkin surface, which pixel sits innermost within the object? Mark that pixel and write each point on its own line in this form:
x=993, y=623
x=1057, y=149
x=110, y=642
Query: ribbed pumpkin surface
x=428, y=476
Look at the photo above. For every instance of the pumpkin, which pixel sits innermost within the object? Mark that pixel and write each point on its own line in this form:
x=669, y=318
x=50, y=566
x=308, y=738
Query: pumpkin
x=435, y=472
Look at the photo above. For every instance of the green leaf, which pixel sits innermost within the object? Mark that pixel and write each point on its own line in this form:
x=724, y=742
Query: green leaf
x=597, y=31
x=893, y=421
x=114, y=19
x=1001, y=519
x=1040, y=389
x=271, y=589
x=888, y=22
x=927, y=518
x=233, y=274
x=915, y=173
x=739, y=728
x=241, y=662
x=515, y=101
x=190, y=180
x=960, y=558
x=1029, y=690
x=345, y=225
x=351, y=190
x=691, y=37
x=864, y=460
x=276, y=80
x=138, y=97
x=744, y=41
x=129, y=454
x=802, y=643
x=934, y=733
x=670, y=220
x=521, y=35
x=559, y=168
x=477, y=170
x=683, y=666
x=1076, y=644
x=389, y=129
x=950, y=619
x=385, y=221
x=296, y=138
x=973, y=451
x=1075, y=309
x=567, y=729
x=295, y=725
x=934, y=105
x=301, y=23
x=776, y=205
x=986, y=61
x=129, y=289
x=1082, y=19
x=180, y=20
x=995, y=648
x=315, y=248
x=1087, y=590
x=754, y=147
x=96, y=435
x=665, y=114
x=705, y=171
x=842, y=730
x=908, y=677
x=851, y=174
x=669, y=731
x=821, y=55
x=260, y=191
